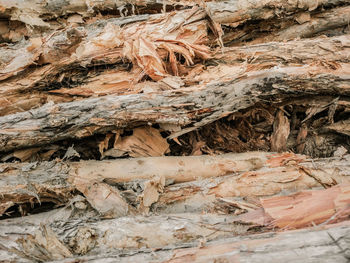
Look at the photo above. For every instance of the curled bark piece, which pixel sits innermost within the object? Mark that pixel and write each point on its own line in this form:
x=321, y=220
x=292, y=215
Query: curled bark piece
x=105, y=199
x=281, y=130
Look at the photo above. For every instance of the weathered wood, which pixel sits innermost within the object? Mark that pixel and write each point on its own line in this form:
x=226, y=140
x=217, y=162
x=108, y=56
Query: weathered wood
x=56, y=182
x=190, y=107
x=287, y=175
x=125, y=234
x=118, y=77
x=39, y=13
x=329, y=20
x=138, y=42
x=60, y=46
x=326, y=244
x=237, y=12
x=314, y=245
x=305, y=208
x=254, y=175
x=38, y=87
x=177, y=238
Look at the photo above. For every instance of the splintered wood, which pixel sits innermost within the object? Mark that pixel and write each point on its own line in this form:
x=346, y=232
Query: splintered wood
x=174, y=131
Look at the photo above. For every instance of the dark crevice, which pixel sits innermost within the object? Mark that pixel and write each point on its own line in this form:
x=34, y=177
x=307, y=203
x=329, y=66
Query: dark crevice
x=26, y=209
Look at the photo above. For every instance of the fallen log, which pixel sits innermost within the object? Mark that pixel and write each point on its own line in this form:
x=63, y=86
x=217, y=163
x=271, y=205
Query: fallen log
x=73, y=46
x=224, y=194
x=28, y=91
x=123, y=182
x=330, y=20
x=306, y=245
x=56, y=182
x=36, y=18
x=106, y=42
x=43, y=14
x=188, y=108
x=178, y=238
x=52, y=241
x=237, y=12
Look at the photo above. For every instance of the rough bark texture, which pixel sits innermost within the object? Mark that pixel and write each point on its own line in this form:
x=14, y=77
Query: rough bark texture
x=248, y=175
x=134, y=239
x=22, y=93
x=174, y=131
x=51, y=123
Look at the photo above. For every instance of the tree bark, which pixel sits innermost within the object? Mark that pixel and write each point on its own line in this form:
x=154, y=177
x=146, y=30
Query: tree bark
x=25, y=92
x=302, y=246
x=234, y=175
x=187, y=108
x=84, y=84
x=237, y=12
x=178, y=238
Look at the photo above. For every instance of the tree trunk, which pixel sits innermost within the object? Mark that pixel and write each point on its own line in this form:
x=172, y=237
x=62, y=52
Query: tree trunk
x=177, y=238
x=174, y=131
x=248, y=175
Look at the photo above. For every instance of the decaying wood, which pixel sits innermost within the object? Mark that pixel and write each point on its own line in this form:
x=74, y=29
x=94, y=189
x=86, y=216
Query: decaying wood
x=34, y=13
x=184, y=107
x=165, y=234
x=124, y=234
x=216, y=194
x=33, y=18
x=54, y=182
x=43, y=13
x=237, y=12
x=26, y=91
x=95, y=94
x=74, y=46
x=116, y=182
x=176, y=169
x=318, y=245
x=330, y=20
x=138, y=42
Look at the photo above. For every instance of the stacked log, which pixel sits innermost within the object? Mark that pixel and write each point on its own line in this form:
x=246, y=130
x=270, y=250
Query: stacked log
x=174, y=131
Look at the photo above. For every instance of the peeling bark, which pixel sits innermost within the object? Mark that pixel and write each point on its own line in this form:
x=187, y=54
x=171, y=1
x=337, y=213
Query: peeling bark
x=85, y=83
x=178, y=238
x=185, y=107
x=237, y=12
x=36, y=88
x=302, y=246
x=247, y=175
